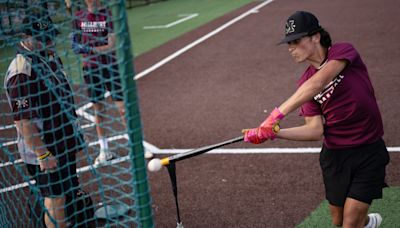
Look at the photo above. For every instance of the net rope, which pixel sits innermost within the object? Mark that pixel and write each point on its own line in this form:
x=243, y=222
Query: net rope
x=57, y=94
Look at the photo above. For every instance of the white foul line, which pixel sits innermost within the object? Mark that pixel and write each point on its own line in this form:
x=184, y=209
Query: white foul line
x=7, y=127
x=304, y=150
x=148, y=146
x=186, y=17
x=193, y=44
x=156, y=150
x=189, y=46
x=79, y=170
x=216, y=151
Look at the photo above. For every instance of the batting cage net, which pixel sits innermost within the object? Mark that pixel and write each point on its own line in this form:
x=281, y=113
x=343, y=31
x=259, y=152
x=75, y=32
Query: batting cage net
x=71, y=140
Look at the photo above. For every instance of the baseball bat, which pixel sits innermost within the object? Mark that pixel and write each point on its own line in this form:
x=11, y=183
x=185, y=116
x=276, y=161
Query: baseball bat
x=198, y=151
x=156, y=164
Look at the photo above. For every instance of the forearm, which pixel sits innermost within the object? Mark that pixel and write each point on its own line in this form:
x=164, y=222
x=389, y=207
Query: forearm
x=86, y=48
x=301, y=133
x=105, y=48
x=313, y=86
x=303, y=94
x=31, y=136
x=312, y=130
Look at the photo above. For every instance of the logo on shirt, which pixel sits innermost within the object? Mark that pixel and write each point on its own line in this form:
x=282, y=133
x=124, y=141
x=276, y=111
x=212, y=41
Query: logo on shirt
x=290, y=26
x=328, y=91
x=43, y=25
x=93, y=26
x=22, y=103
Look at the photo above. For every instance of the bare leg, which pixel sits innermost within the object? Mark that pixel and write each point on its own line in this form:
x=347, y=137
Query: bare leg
x=121, y=109
x=355, y=214
x=99, y=119
x=68, y=6
x=55, y=206
x=336, y=214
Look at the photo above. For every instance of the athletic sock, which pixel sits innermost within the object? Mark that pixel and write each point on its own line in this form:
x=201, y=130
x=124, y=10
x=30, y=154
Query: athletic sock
x=374, y=220
x=103, y=145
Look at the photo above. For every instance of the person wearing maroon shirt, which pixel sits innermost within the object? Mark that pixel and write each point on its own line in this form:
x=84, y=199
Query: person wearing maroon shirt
x=337, y=101
x=42, y=105
x=94, y=38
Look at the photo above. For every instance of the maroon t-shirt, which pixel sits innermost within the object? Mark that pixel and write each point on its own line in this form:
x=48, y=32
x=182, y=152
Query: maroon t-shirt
x=93, y=30
x=38, y=90
x=348, y=103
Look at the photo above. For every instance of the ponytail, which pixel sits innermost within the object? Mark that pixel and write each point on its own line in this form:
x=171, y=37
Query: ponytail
x=325, y=40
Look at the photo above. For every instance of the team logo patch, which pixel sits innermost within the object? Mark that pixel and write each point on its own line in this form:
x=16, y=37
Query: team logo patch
x=22, y=103
x=93, y=26
x=290, y=26
x=329, y=89
x=43, y=25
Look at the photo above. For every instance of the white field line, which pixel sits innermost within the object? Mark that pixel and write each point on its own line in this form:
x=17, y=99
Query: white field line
x=5, y=164
x=186, y=17
x=146, y=145
x=81, y=110
x=109, y=139
x=84, y=107
x=88, y=125
x=9, y=143
x=17, y=186
x=7, y=127
x=90, y=104
x=304, y=150
x=186, y=48
x=207, y=36
x=217, y=151
x=84, y=114
x=156, y=150
x=80, y=170
x=152, y=148
x=83, y=126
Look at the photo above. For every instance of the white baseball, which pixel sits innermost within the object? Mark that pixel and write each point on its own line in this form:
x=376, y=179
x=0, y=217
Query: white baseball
x=154, y=165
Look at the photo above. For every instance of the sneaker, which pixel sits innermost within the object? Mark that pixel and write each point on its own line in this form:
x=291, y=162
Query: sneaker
x=104, y=157
x=375, y=220
x=148, y=155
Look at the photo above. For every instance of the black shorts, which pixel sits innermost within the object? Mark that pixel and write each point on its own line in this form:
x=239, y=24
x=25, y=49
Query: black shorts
x=357, y=173
x=58, y=183
x=101, y=79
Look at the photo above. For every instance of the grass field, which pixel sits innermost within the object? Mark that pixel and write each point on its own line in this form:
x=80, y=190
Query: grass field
x=388, y=207
x=166, y=12
x=143, y=40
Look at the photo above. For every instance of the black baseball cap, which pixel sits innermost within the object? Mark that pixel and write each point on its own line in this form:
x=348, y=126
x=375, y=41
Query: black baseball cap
x=39, y=26
x=300, y=24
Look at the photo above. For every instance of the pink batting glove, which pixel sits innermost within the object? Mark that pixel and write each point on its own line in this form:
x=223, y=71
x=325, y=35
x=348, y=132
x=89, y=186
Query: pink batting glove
x=270, y=127
x=251, y=136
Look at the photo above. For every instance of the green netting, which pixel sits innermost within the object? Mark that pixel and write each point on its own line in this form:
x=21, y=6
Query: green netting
x=77, y=102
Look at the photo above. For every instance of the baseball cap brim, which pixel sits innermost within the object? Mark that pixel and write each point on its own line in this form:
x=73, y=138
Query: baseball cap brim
x=293, y=37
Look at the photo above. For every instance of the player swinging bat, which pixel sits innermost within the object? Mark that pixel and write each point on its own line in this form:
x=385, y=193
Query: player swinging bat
x=156, y=164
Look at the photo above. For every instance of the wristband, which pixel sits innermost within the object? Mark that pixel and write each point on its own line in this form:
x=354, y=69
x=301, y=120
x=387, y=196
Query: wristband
x=276, y=128
x=45, y=155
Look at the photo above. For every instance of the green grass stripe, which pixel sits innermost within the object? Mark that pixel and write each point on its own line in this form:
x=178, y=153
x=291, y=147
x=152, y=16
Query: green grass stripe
x=160, y=13
x=165, y=12
x=388, y=207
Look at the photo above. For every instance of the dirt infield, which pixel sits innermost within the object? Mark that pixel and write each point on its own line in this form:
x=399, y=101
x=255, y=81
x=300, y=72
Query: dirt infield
x=230, y=82
x=209, y=93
